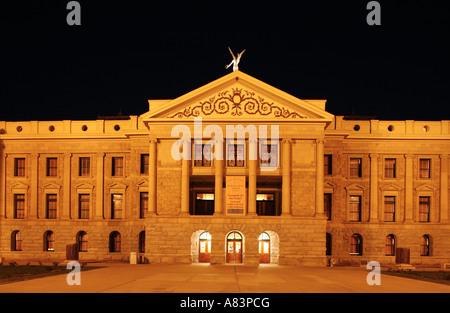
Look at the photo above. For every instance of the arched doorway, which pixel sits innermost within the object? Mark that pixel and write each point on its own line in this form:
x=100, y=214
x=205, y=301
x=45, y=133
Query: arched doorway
x=264, y=248
x=204, y=243
x=234, y=247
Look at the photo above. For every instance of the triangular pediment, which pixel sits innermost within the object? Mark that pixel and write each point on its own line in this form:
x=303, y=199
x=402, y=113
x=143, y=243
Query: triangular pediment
x=237, y=96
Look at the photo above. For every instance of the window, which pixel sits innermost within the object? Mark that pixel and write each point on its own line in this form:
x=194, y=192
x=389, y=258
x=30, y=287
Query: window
x=52, y=166
x=83, y=205
x=204, y=203
x=355, y=167
x=425, y=168
x=52, y=205
x=82, y=241
x=115, y=242
x=144, y=163
x=142, y=241
x=84, y=166
x=355, y=209
x=389, y=209
x=328, y=244
x=49, y=241
x=425, y=245
x=356, y=244
x=117, y=166
x=390, y=245
x=235, y=155
x=202, y=155
x=269, y=155
x=16, y=241
x=327, y=164
x=390, y=168
x=116, y=205
x=424, y=209
x=19, y=167
x=143, y=204
x=19, y=206
x=327, y=205
x=265, y=204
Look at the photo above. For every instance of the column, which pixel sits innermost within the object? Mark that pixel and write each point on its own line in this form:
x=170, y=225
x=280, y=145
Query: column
x=373, y=215
x=185, y=173
x=218, y=171
x=252, y=168
x=444, y=188
x=152, y=172
x=319, y=178
x=67, y=186
x=99, y=197
x=286, y=184
x=409, y=188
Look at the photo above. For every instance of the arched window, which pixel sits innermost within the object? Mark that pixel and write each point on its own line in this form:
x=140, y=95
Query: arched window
x=356, y=244
x=425, y=245
x=49, y=241
x=16, y=241
x=114, y=242
x=390, y=245
x=82, y=241
x=142, y=241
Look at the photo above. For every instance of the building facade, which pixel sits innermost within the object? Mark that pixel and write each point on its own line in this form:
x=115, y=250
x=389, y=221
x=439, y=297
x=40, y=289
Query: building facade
x=299, y=187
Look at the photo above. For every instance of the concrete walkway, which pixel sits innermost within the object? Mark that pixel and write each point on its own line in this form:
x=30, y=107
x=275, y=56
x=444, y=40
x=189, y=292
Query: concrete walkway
x=200, y=278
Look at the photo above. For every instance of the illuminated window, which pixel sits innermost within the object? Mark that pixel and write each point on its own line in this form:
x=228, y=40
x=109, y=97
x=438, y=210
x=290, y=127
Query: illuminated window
x=425, y=168
x=356, y=244
x=52, y=205
x=204, y=203
x=49, y=241
x=389, y=209
x=424, y=209
x=82, y=241
x=116, y=205
x=425, y=246
x=355, y=167
x=19, y=206
x=390, y=245
x=355, y=209
x=83, y=205
x=265, y=204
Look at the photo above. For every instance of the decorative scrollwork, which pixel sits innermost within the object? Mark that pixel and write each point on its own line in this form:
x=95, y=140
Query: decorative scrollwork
x=236, y=102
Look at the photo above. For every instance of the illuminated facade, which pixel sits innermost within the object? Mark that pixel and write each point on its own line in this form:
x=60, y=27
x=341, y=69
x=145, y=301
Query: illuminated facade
x=325, y=187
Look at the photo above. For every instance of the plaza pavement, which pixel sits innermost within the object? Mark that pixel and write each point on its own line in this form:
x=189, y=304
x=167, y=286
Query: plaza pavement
x=201, y=278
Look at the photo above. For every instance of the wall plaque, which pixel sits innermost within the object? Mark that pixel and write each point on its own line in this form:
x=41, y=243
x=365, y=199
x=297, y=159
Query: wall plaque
x=235, y=195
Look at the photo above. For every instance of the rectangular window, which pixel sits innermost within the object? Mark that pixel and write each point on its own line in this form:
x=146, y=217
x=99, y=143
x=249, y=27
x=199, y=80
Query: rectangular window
x=327, y=164
x=390, y=168
x=355, y=167
x=265, y=204
x=355, y=209
x=83, y=204
x=204, y=203
x=269, y=155
x=143, y=204
x=84, y=166
x=327, y=205
x=235, y=155
x=117, y=166
x=144, y=163
x=202, y=155
x=425, y=168
x=19, y=206
x=389, y=209
x=19, y=167
x=52, y=166
x=424, y=209
x=116, y=206
x=52, y=205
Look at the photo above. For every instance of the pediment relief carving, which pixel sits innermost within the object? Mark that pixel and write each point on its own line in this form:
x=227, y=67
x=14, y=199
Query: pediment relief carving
x=237, y=102
x=425, y=188
x=355, y=187
x=19, y=185
x=390, y=188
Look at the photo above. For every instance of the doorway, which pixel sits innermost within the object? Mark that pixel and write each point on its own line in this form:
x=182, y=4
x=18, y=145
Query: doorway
x=264, y=248
x=204, y=244
x=234, y=247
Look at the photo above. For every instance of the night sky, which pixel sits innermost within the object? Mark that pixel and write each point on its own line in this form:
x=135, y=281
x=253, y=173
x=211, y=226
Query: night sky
x=127, y=52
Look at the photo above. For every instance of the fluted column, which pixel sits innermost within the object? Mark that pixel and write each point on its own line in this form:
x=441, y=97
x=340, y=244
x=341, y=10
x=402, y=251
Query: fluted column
x=152, y=178
x=185, y=173
x=252, y=168
x=218, y=171
x=286, y=184
x=319, y=178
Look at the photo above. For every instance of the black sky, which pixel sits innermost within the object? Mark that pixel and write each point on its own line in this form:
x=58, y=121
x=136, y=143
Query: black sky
x=127, y=52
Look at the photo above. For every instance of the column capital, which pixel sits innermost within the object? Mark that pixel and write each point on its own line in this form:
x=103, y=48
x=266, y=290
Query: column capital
x=409, y=156
x=320, y=140
x=443, y=156
x=286, y=140
x=374, y=155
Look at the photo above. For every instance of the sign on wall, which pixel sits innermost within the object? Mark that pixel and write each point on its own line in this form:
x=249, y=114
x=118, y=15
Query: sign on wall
x=235, y=195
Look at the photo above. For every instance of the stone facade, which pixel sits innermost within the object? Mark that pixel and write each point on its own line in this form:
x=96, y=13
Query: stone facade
x=85, y=182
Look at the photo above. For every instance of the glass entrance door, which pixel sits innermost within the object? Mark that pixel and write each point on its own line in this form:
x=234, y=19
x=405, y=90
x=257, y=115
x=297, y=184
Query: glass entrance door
x=204, y=244
x=234, y=248
x=264, y=248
